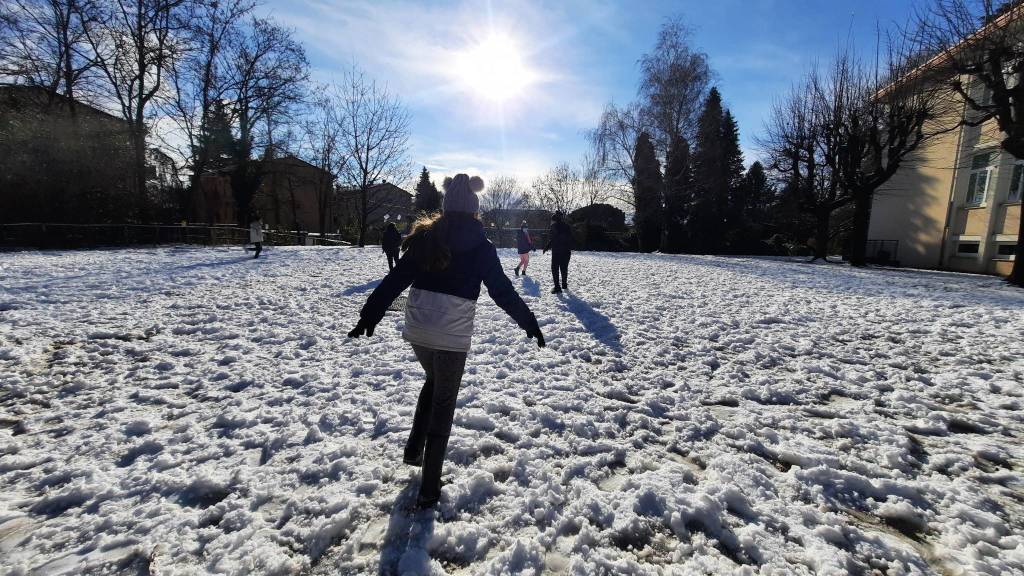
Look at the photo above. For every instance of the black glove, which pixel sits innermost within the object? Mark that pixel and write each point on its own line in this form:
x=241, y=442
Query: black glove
x=535, y=333
x=362, y=327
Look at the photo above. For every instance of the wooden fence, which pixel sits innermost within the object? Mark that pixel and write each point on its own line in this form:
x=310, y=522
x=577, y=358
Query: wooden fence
x=39, y=235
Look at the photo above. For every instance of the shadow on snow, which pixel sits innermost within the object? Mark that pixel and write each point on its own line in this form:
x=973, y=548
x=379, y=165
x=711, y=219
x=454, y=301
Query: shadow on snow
x=530, y=286
x=365, y=287
x=403, y=550
x=599, y=326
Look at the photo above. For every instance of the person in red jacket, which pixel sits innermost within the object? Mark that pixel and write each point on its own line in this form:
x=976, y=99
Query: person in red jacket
x=447, y=257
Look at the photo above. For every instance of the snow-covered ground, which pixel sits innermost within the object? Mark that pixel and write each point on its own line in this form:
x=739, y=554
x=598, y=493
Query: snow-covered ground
x=187, y=410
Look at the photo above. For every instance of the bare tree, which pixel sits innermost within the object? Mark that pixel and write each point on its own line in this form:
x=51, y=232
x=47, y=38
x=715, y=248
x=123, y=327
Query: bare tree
x=504, y=193
x=558, y=189
x=43, y=43
x=674, y=81
x=499, y=203
x=135, y=43
x=981, y=42
x=594, y=185
x=800, y=140
x=374, y=140
x=201, y=78
x=614, y=147
x=322, y=147
x=894, y=113
x=267, y=78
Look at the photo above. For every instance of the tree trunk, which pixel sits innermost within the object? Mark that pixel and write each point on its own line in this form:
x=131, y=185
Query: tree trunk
x=142, y=197
x=859, y=234
x=1017, y=274
x=363, y=216
x=821, y=235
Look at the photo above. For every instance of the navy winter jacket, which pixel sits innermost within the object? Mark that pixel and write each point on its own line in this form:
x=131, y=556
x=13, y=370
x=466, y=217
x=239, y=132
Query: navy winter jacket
x=391, y=240
x=442, y=305
x=523, y=244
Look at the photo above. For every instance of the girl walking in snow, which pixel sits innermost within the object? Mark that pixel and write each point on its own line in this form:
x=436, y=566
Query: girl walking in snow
x=447, y=257
x=256, y=234
x=523, y=244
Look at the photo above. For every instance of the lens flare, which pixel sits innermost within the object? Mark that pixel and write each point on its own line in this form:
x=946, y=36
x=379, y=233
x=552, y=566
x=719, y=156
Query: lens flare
x=494, y=69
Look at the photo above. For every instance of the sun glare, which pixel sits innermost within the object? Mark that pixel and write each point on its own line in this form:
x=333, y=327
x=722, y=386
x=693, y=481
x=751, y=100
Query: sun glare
x=494, y=69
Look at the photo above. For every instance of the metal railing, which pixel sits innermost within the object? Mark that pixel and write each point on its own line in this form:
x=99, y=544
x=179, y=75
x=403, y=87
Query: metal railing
x=54, y=236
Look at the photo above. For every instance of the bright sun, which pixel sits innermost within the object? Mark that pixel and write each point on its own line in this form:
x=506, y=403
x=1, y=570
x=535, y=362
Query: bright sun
x=494, y=69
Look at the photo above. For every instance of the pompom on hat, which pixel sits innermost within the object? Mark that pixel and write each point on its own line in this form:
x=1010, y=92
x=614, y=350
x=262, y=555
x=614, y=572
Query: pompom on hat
x=460, y=194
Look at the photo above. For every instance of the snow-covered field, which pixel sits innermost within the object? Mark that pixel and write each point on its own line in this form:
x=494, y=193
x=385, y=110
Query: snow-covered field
x=187, y=410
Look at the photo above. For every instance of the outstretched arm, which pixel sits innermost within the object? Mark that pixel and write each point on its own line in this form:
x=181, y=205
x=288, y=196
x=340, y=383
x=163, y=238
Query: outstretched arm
x=505, y=296
x=385, y=293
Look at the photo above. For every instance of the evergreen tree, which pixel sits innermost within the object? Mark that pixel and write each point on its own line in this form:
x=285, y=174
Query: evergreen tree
x=679, y=193
x=647, y=186
x=710, y=167
x=758, y=192
x=428, y=199
x=218, y=147
x=733, y=166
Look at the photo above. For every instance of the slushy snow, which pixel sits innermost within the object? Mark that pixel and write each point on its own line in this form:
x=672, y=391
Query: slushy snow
x=188, y=410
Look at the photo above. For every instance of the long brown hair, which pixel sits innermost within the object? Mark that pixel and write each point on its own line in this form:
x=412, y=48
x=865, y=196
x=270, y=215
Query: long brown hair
x=428, y=239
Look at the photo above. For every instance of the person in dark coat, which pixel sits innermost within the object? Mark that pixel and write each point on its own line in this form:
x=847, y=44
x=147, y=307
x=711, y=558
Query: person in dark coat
x=391, y=242
x=446, y=259
x=560, y=244
x=524, y=244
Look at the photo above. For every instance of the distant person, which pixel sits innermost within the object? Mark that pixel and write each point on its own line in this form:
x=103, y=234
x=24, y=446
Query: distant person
x=391, y=242
x=256, y=234
x=524, y=244
x=560, y=244
x=447, y=258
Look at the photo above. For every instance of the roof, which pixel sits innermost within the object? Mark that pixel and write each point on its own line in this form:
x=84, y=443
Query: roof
x=289, y=160
x=375, y=188
x=522, y=211
x=1008, y=15
x=41, y=92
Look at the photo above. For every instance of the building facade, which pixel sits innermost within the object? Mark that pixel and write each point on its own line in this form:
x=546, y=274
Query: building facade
x=955, y=205
x=63, y=160
x=293, y=195
x=386, y=202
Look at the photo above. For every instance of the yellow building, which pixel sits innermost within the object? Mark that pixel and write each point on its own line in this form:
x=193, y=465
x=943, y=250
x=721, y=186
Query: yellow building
x=954, y=205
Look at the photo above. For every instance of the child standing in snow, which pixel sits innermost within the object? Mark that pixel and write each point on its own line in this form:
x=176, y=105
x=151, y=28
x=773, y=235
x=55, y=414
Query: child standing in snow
x=523, y=244
x=447, y=257
x=560, y=244
x=256, y=234
x=391, y=242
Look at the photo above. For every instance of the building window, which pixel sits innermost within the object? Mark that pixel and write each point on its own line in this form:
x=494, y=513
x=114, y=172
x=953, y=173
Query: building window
x=981, y=174
x=1017, y=182
x=968, y=248
x=980, y=93
x=1006, y=251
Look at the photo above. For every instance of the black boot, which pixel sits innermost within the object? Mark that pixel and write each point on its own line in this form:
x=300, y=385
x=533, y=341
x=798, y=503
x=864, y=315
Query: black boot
x=556, y=290
x=517, y=271
x=430, y=479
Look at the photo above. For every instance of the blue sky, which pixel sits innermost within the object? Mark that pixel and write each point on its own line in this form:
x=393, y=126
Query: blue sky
x=569, y=59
